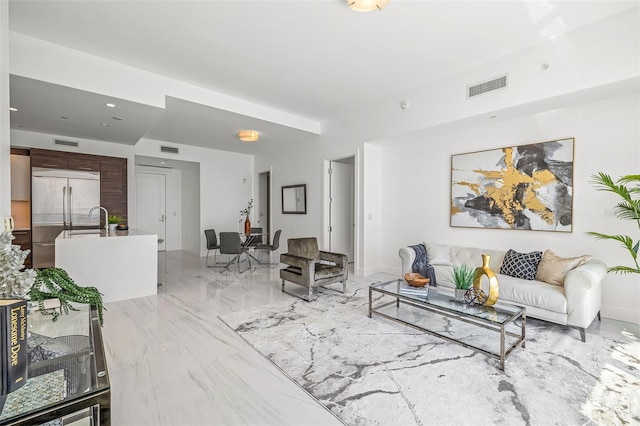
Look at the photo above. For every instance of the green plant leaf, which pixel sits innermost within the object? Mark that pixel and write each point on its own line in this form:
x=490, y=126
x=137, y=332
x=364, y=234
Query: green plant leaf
x=623, y=270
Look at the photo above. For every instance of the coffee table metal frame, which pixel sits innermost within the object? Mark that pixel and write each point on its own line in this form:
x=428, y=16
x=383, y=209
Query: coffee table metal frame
x=512, y=313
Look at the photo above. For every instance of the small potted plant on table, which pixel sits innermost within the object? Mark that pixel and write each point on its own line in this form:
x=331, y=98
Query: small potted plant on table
x=463, y=277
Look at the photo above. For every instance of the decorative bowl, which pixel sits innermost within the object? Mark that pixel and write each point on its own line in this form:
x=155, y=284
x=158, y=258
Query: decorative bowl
x=415, y=280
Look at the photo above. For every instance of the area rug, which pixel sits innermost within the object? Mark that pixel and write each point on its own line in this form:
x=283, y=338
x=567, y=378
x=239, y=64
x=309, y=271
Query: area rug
x=378, y=372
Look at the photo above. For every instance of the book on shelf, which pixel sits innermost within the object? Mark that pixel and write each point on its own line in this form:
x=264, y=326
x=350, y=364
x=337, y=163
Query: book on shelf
x=13, y=344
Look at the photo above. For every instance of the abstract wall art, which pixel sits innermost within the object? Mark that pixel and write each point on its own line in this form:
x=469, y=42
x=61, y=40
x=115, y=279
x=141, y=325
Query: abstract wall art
x=519, y=187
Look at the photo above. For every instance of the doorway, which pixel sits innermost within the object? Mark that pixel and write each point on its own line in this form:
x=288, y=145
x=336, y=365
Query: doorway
x=263, y=204
x=341, y=206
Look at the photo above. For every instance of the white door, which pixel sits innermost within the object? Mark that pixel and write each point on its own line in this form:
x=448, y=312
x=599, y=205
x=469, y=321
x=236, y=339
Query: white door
x=150, y=205
x=341, y=222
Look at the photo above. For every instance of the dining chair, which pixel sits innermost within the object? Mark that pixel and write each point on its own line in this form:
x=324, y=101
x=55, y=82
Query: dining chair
x=271, y=248
x=258, y=239
x=230, y=244
x=212, y=244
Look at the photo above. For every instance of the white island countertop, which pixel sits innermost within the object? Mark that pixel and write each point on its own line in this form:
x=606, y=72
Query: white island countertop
x=121, y=265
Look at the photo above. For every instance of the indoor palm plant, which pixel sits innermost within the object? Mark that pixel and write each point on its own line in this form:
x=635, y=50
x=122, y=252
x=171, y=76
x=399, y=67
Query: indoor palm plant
x=462, y=278
x=628, y=189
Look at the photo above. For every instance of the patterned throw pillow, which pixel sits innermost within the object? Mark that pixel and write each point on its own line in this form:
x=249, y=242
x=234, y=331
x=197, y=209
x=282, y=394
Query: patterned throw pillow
x=521, y=265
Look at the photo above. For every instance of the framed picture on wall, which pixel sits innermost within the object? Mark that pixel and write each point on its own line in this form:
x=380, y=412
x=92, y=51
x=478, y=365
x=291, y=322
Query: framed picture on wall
x=518, y=187
x=294, y=199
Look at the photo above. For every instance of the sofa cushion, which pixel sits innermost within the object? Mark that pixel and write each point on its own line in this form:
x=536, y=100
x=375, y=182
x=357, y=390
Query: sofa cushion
x=532, y=293
x=553, y=268
x=521, y=265
x=328, y=271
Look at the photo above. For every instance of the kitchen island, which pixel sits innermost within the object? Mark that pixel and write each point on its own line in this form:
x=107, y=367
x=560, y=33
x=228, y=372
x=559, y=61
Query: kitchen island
x=121, y=265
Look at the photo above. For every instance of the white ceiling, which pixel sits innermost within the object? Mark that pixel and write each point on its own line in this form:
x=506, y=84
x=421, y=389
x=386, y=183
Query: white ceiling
x=315, y=59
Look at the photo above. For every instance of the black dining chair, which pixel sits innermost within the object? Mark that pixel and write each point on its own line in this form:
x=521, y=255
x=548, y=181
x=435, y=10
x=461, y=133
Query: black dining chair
x=271, y=248
x=212, y=244
x=230, y=244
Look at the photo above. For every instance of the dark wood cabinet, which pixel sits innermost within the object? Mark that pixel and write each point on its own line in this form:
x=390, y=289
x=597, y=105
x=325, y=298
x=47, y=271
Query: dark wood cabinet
x=50, y=159
x=22, y=238
x=84, y=162
x=113, y=185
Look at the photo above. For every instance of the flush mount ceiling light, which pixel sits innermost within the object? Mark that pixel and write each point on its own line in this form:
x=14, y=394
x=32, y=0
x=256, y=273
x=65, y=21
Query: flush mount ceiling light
x=248, y=135
x=367, y=5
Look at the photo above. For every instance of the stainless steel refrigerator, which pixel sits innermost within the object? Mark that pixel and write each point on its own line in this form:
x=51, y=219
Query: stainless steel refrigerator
x=60, y=199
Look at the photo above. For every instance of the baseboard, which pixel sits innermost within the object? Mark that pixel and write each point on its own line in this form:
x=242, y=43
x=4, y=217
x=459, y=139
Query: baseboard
x=620, y=314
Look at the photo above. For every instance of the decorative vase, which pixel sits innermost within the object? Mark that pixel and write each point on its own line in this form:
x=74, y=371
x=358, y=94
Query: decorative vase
x=459, y=295
x=484, y=270
x=112, y=228
x=247, y=226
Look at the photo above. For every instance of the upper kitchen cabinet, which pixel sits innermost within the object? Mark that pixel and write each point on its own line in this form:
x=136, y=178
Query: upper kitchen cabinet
x=86, y=162
x=113, y=185
x=50, y=159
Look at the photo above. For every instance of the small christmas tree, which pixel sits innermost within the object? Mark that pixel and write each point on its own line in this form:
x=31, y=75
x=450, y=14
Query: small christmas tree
x=14, y=283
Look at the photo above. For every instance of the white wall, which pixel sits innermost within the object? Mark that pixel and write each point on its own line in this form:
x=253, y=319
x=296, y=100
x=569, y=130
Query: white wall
x=191, y=215
x=5, y=157
x=416, y=188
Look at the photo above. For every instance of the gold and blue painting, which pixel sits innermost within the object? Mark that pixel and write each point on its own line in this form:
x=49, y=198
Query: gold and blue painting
x=518, y=187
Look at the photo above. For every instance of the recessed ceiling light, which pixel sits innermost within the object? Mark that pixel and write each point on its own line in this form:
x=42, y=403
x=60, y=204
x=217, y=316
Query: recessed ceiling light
x=111, y=105
x=105, y=124
x=12, y=109
x=117, y=118
x=162, y=162
x=248, y=135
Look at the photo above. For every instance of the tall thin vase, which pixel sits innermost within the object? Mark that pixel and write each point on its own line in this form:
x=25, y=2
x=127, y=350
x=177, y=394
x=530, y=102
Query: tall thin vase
x=247, y=226
x=484, y=270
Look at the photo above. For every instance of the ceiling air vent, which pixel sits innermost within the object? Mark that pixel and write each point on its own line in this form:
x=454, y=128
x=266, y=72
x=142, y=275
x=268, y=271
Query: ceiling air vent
x=487, y=86
x=65, y=143
x=169, y=149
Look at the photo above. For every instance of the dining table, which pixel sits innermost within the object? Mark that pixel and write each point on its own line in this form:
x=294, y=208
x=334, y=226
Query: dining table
x=248, y=239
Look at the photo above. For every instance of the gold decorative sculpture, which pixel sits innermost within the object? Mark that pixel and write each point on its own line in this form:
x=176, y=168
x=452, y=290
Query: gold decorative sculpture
x=483, y=270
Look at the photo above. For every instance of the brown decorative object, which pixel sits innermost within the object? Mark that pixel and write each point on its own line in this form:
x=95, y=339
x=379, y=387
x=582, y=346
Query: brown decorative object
x=415, y=280
x=247, y=226
x=484, y=270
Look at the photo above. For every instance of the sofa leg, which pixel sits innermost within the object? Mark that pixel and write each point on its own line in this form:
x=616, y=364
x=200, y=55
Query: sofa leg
x=583, y=334
x=283, y=286
x=344, y=286
x=599, y=317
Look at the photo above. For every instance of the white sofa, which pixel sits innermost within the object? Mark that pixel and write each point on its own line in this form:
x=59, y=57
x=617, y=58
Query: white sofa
x=575, y=304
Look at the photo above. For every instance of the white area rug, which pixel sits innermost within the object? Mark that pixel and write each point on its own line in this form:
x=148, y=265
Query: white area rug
x=377, y=372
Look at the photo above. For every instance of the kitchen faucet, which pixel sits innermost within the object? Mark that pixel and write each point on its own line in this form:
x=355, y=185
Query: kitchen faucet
x=106, y=217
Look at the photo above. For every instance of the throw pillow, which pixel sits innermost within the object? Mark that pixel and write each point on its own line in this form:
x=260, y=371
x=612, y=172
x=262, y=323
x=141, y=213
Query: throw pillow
x=553, y=269
x=521, y=265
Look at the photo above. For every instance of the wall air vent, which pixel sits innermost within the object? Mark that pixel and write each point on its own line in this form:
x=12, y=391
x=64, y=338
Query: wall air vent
x=65, y=143
x=169, y=149
x=487, y=86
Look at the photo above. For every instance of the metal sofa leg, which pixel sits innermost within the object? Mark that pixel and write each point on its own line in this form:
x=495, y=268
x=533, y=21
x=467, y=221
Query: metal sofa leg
x=283, y=286
x=599, y=317
x=344, y=286
x=583, y=334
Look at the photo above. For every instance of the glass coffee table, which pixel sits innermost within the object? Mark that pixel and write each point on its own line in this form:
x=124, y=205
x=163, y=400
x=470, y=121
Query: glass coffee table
x=396, y=302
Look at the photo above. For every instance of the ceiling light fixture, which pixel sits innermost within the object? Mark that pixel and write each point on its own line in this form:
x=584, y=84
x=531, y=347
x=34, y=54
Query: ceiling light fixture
x=248, y=135
x=367, y=5
x=12, y=109
x=111, y=105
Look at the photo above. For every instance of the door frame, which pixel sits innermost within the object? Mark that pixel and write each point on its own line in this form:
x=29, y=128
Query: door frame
x=357, y=244
x=269, y=196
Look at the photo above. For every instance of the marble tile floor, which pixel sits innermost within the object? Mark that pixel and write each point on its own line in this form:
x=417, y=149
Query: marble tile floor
x=173, y=362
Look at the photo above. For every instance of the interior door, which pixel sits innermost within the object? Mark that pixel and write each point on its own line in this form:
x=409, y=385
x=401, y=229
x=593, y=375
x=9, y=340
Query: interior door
x=150, y=202
x=341, y=222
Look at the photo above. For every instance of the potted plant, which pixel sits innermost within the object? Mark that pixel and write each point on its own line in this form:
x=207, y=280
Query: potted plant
x=113, y=221
x=462, y=278
x=627, y=188
x=55, y=283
